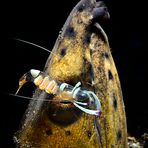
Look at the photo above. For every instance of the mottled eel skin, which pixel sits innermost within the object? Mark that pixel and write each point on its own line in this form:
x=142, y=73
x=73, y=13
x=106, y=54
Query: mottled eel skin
x=81, y=53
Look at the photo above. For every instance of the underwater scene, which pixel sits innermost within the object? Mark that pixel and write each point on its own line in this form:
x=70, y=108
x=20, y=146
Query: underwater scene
x=74, y=75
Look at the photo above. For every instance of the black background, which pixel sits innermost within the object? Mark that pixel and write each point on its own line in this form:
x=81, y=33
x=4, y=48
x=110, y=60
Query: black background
x=40, y=23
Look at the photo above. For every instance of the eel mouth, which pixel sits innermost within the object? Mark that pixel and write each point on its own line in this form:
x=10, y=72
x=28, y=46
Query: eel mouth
x=63, y=112
x=66, y=102
x=63, y=100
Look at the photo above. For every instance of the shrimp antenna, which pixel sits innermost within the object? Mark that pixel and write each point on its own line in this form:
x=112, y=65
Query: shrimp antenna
x=28, y=98
x=34, y=45
x=103, y=32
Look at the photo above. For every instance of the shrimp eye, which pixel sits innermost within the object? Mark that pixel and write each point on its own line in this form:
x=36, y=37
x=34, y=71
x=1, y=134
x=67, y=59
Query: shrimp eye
x=34, y=73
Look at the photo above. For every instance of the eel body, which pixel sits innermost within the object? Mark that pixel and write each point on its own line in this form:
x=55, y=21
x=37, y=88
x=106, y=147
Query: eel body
x=81, y=53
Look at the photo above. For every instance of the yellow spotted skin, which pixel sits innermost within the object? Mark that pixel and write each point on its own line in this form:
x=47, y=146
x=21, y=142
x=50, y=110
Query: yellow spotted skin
x=80, y=54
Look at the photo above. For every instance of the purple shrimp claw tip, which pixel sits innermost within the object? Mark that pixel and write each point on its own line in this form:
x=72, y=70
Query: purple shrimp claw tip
x=91, y=102
x=99, y=113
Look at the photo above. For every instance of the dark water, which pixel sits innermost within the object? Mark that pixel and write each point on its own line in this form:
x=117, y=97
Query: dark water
x=41, y=23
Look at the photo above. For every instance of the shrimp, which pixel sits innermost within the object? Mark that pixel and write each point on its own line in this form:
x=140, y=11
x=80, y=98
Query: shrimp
x=50, y=86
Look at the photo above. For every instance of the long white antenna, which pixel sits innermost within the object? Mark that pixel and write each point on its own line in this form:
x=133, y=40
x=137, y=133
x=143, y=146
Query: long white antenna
x=34, y=45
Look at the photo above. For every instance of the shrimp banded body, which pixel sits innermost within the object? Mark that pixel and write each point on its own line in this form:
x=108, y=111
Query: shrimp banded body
x=81, y=54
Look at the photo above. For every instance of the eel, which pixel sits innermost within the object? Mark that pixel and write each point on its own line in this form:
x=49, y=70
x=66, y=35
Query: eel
x=81, y=54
